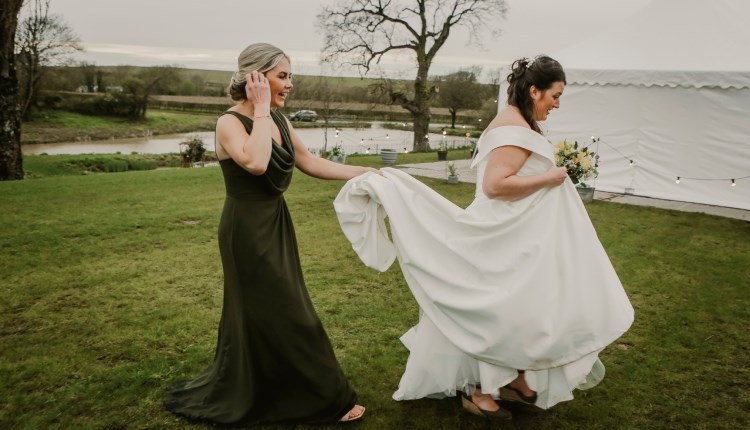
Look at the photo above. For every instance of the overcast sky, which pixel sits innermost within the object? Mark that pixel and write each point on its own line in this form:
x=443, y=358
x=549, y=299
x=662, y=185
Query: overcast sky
x=210, y=34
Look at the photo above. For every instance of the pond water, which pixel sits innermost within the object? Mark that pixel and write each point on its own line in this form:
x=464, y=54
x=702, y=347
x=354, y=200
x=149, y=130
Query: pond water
x=352, y=140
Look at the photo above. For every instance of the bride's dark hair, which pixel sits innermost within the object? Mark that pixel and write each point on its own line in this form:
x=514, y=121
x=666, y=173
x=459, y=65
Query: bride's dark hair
x=541, y=72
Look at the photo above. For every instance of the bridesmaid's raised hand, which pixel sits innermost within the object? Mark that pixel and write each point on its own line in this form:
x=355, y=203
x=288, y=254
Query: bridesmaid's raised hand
x=258, y=92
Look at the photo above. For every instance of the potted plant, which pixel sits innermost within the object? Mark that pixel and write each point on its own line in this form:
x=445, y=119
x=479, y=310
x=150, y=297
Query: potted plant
x=442, y=151
x=388, y=156
x=337, y=154
x=581, y=164
x=452, y=173
x=192, y=152
x=472, y=148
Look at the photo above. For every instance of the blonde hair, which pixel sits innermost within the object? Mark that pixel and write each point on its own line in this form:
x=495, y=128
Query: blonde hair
x=258, y=56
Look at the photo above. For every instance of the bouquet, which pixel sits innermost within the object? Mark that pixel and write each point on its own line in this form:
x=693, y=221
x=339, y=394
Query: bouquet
x=580, y=162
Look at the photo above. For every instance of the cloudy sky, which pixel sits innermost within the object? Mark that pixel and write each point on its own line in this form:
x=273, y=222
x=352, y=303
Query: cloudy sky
x=209, y=35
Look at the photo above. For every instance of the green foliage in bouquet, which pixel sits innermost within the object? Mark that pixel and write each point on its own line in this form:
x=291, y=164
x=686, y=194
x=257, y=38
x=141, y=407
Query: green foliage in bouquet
x=580, y=162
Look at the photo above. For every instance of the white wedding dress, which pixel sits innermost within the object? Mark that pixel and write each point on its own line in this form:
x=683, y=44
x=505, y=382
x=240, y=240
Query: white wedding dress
x=501, y=285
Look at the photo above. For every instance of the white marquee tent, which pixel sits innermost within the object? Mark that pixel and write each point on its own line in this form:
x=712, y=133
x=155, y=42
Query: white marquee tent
x=669, y=90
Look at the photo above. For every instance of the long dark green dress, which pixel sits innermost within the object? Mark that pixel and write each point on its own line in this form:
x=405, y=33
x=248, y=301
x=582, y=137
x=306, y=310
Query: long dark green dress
x=274, y=361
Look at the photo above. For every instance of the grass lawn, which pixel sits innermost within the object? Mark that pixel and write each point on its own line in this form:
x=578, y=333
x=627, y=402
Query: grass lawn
x=111, y=289
x=60, y=126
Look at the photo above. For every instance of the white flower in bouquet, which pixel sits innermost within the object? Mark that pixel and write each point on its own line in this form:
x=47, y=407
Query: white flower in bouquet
x=580, y=162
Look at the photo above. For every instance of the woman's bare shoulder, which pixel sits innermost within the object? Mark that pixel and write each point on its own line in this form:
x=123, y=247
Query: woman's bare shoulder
x=508, y=117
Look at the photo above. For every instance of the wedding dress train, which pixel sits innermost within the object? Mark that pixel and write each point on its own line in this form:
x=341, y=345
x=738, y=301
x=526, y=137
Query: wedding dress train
x=501, y=286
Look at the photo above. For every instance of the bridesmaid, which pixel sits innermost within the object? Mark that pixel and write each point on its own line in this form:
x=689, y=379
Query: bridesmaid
x=273, y=360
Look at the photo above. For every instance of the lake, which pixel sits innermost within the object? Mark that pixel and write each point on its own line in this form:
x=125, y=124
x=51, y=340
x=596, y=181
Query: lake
x=352, y=140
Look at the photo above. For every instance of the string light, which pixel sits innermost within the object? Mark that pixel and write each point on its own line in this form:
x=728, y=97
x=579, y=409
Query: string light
x=732, y=181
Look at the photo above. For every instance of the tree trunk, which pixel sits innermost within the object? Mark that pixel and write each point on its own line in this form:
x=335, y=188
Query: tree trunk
x=11, y=159
x=453, y=112
x=421, y=112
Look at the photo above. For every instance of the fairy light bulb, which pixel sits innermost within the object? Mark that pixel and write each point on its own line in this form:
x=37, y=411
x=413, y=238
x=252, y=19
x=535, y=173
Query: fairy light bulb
x=677, y=181
x=631, y=163
x=734, y=184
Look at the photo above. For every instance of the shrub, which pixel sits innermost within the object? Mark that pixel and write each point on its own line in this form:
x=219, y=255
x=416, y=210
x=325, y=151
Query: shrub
x=193, y=151
x=115, y=166
x=141, y=165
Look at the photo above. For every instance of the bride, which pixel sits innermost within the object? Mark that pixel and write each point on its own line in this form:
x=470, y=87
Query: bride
x=517, y=296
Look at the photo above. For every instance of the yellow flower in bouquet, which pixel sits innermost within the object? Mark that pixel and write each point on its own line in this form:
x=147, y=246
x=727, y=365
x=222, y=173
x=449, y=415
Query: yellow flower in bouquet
x=580, y=162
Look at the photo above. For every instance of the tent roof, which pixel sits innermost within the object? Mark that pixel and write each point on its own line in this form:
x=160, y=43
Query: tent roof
x=659, y=78
x=668, y=42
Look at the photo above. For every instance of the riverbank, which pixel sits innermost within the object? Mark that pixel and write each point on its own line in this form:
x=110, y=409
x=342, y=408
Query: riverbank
x=56, y=126
x=45, y=166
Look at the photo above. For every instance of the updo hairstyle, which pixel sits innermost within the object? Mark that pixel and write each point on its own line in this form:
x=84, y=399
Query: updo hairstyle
x=541, y=72
x=258, y=56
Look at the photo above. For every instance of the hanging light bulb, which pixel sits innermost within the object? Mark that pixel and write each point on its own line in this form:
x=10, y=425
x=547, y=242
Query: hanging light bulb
x=631, y=163
x=734, y=184
x=367, y=151
x=677, y=181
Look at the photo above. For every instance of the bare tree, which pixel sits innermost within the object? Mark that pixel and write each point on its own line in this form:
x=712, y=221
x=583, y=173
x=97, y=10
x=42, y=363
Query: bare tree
x=41, y=40
x=11, y=159
x=138, y=88
x=360, y=32
x=89, y=73
x=461, y=90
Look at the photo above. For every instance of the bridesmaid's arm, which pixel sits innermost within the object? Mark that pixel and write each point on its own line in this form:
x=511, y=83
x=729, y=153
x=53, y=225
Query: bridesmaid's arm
x=320, y=167
x=252, y=152
x=501, y=180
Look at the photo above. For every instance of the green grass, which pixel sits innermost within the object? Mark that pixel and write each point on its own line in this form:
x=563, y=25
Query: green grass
x=44, y=166
x=111, y=288
x=60, y=126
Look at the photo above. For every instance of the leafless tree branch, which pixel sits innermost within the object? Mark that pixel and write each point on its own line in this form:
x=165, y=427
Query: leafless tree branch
x=360, y=32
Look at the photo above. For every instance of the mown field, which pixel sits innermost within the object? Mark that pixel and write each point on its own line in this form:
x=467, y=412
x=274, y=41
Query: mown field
x=111, y=289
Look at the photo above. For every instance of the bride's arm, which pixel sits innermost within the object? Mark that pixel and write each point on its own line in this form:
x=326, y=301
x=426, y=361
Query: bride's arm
x=501, y=180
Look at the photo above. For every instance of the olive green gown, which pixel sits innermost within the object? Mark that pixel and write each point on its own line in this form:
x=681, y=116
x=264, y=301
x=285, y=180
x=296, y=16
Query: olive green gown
x=274, y=361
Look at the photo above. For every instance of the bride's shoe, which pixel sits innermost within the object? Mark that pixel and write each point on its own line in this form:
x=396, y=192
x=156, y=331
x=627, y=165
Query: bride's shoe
x=353, y=414
x=509, y=392
x=472, y=408
x=515, y=395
